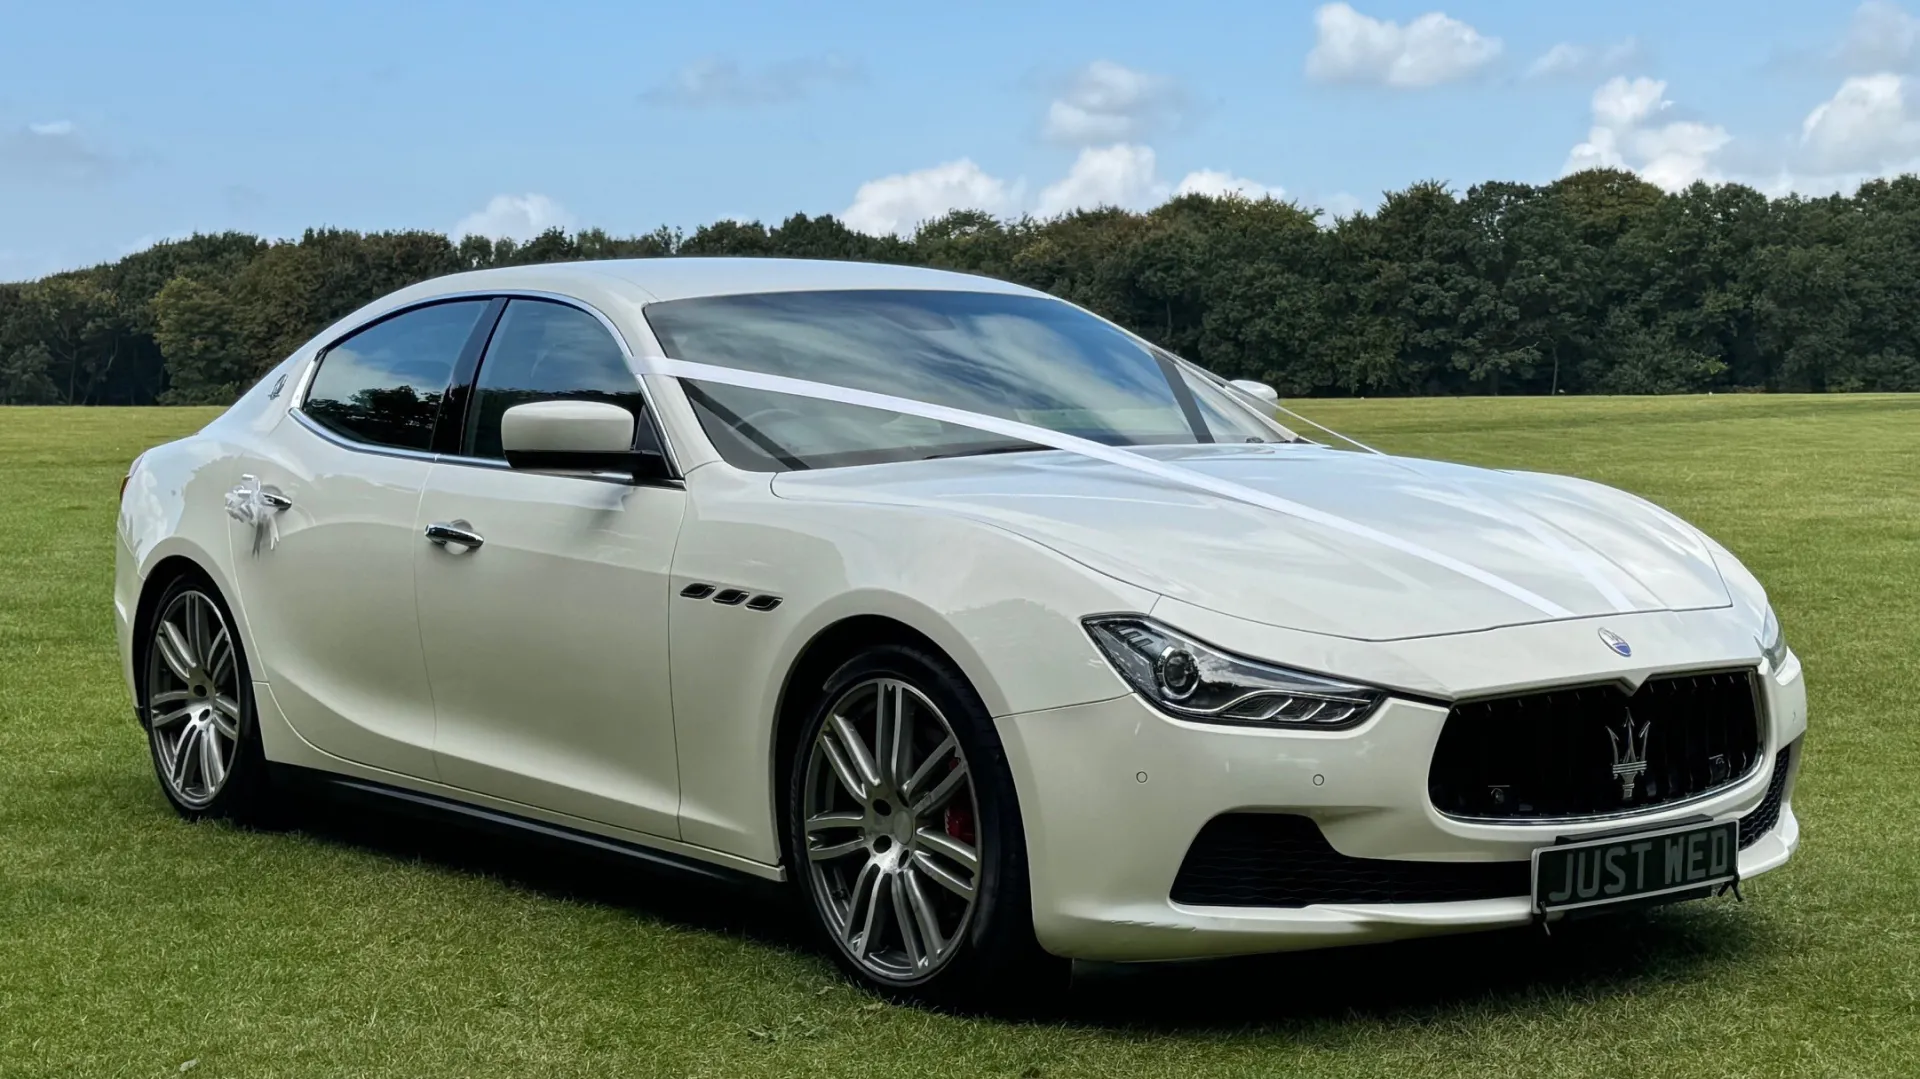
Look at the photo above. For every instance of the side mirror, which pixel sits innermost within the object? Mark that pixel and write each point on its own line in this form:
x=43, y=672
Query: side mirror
x=1256, y=389
x=576, y=436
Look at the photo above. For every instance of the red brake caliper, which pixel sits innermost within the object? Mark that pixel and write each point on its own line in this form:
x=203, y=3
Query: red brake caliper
x=959, y=818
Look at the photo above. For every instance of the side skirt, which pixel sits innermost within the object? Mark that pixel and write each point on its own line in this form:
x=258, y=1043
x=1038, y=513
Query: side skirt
x=430, y=807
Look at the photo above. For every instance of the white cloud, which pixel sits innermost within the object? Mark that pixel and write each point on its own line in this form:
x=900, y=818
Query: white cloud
x=1866, y=126
x=1123, y=174
x=1870, y=127
x=53, y=151
x=1106, y=102
x=1568, y=60
x=1338, y=205
x=1216, y=183
x=1429, y=50
x=1626, y=134
x=1880, y=37
x=515, y=217
x=1117, y=175
x=899, y=203
x=718, y=81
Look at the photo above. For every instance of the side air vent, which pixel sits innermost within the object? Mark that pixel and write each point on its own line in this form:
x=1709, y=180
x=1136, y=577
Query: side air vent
x=730, y=597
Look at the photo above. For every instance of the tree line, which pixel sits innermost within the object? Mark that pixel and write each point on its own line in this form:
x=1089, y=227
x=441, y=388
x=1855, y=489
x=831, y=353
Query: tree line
x=1595, y=283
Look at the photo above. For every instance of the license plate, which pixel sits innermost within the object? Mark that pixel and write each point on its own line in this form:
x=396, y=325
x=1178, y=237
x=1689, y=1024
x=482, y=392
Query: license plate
x=1660, y=865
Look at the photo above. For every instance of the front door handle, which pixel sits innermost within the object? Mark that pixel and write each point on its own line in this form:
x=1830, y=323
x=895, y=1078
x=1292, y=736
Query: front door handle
x=458, y=533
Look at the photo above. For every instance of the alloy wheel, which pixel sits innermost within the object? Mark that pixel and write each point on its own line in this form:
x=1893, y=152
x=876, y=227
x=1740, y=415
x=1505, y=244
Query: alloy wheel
x=193, y=698
x=893, y=851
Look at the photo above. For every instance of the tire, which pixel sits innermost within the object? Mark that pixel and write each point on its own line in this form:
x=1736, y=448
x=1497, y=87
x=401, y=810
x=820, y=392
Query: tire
x=196, y=703
x=914, y=868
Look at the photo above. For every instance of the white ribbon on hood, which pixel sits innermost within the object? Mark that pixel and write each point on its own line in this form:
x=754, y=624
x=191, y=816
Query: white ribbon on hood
x=1135, y=462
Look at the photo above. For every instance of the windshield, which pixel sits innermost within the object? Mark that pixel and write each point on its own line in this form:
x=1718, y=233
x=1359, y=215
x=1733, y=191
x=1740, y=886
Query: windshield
x=1025, y=358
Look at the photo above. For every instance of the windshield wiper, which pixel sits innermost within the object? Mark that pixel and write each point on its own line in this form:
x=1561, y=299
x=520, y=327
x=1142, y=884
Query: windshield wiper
x=1024, y=447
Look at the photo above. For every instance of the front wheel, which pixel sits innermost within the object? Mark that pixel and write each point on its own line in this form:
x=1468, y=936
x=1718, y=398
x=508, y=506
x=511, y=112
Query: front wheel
x=197, y=697
x=906, y=837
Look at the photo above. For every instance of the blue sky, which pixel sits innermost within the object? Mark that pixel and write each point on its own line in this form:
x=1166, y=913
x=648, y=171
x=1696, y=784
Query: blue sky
x=121, y=124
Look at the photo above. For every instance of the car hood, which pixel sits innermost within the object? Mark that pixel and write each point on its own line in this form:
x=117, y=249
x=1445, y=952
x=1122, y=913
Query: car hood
x=1583, y=548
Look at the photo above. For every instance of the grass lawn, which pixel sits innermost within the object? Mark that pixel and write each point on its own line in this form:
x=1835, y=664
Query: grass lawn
x=132, y=944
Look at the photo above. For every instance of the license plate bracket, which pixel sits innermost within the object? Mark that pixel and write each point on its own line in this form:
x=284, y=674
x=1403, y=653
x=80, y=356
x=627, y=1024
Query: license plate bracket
x=1684, y=860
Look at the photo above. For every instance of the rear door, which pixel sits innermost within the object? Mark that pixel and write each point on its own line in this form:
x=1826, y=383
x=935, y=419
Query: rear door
x=331, y=602
x=546, y=643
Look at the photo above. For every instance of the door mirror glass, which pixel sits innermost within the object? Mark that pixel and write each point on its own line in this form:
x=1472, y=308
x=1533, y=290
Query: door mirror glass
x=575, y=436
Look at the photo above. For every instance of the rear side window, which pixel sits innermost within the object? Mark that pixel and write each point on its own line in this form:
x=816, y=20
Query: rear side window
x=545, y=351
x=384, y=384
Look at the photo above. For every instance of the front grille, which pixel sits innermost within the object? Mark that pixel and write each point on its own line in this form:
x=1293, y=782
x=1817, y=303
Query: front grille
x=1578, y=753
x=1767, y=813
x=1282, y=860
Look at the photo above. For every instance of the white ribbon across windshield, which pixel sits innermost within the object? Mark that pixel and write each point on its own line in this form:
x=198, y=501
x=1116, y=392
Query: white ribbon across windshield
x=1024, y=432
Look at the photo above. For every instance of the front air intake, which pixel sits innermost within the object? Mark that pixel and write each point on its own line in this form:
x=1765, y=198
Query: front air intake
x=1282, y=860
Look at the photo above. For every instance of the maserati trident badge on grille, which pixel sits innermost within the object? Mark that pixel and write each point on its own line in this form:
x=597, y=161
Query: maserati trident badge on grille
x=1615, y=641
x=1630, y=756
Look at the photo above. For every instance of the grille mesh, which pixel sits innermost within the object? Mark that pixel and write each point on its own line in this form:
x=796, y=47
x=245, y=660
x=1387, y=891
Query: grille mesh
x=1282, y=860
x=1553, y=755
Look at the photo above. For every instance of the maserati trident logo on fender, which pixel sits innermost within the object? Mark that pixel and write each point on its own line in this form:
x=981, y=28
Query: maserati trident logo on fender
x=1629, y=756
x=1615, y=641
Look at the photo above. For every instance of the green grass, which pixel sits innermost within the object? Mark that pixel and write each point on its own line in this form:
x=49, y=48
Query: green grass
x=132, y=943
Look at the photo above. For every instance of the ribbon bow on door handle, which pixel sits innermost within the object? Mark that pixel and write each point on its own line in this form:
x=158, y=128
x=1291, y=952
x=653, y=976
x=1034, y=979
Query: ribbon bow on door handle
x=256, y=506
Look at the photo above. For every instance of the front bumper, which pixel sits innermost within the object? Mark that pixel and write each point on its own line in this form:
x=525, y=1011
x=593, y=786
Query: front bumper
x=1113, y=794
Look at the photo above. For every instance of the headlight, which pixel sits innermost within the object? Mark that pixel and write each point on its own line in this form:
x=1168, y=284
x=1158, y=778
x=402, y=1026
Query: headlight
x=1773, y=644
x=1194, y=680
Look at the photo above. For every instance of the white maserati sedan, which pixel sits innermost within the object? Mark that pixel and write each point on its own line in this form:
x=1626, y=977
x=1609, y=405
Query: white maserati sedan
x=1000, y=634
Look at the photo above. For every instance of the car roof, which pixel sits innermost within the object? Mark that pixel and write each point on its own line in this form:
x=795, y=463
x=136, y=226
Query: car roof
x=677, y=277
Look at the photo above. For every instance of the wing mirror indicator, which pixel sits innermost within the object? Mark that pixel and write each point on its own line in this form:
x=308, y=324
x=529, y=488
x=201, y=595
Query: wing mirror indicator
x=577, y=436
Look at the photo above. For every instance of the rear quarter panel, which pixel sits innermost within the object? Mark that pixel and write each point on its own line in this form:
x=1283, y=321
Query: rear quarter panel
x=175, y=504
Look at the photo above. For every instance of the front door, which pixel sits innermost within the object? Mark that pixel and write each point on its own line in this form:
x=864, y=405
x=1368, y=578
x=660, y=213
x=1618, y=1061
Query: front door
x=330, y=602
x=546, y=639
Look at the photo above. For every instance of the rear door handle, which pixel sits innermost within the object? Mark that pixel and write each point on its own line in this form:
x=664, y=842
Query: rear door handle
x=458, y=533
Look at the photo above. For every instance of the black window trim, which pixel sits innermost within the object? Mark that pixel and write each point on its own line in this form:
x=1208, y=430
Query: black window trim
x=452, y=419
x=477, y=343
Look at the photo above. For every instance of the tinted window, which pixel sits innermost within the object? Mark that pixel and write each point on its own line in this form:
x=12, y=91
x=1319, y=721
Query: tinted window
x=543, y=352
x=1025, y=358
x=384, y=384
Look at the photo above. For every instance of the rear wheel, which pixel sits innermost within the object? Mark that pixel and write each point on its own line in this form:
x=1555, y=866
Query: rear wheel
x=907, y=838
x=197, y=696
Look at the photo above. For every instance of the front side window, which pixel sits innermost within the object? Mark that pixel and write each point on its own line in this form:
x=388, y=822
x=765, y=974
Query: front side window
x=543, y=351
x=1026, y=358
x=384, y=385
